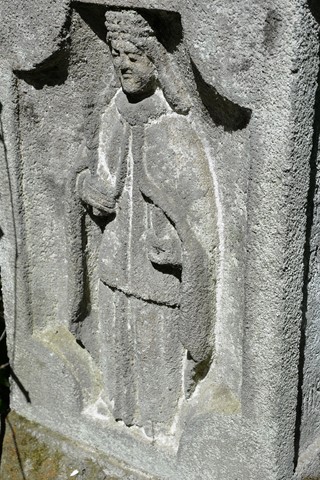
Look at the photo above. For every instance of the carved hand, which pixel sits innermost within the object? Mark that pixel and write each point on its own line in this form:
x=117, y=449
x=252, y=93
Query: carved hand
x=164, y=251
x=93, y=191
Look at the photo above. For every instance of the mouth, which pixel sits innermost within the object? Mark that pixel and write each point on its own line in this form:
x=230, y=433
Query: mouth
x=126, y=75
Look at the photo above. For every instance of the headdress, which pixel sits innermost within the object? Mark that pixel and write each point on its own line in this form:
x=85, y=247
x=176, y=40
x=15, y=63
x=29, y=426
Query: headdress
x=129, y=23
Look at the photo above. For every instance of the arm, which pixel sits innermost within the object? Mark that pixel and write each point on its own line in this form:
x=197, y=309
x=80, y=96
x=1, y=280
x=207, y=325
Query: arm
x=102, y=189
x=93, y=191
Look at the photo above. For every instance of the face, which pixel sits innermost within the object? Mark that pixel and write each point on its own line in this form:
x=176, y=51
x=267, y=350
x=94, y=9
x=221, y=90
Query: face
x=136, y=72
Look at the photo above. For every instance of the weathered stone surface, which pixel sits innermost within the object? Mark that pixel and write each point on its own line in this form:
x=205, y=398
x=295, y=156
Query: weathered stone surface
x=156, y=208
x=31, y=452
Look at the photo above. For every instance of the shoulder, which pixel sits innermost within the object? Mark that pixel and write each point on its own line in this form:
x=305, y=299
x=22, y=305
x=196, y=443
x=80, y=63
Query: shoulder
x=176, y=132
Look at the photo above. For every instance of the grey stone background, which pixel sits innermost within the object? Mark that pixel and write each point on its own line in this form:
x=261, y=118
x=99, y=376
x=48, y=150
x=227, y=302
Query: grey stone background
x=262, y=56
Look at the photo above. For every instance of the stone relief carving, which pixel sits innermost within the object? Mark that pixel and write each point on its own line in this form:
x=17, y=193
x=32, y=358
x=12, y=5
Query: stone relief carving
x=147, y=209
x=153, y=186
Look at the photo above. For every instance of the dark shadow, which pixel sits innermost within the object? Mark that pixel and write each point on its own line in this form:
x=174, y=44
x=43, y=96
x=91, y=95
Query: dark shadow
x=93, y=16
x=3, y=146
x=1, y=128
x=79, y=342
x=5, y=169
x=53, y=71
x=14, y=439
x=221, y=110
x=100, y=220
x=85, y=304
x=196, y=373
x=166, y=25
x=310, y=211
x=20, y=386
x=2, y=435
x=201, y=369
x=4, y=375
x=168, y=270
x=314, y=6
x=151, y=302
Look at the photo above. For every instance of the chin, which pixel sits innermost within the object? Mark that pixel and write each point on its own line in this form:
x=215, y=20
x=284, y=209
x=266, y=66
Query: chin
x=136, y=90
x=131, y=89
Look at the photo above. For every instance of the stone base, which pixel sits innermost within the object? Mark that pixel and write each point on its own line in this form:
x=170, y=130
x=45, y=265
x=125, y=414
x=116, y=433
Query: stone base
x=31, y=452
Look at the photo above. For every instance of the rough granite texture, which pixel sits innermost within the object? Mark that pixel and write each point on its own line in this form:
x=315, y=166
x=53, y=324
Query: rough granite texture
x=159, y=219
x=32, y=452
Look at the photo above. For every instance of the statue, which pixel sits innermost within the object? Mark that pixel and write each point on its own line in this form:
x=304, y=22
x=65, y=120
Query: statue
x=158, y=251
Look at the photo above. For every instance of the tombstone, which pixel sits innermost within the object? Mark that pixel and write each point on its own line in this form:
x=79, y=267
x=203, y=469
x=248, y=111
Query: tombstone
x=158, y=218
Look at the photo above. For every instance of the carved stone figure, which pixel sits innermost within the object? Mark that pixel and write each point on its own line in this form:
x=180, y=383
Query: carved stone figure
x=157, y=255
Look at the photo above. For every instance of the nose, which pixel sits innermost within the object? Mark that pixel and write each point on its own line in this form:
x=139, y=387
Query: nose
x=125, y=63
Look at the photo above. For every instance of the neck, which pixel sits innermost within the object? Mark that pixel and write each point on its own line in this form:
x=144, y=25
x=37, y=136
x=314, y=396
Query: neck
x=142, y=111
x=146, y=92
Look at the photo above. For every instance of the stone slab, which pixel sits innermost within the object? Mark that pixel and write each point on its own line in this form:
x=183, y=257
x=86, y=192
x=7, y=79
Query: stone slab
x=154, y=230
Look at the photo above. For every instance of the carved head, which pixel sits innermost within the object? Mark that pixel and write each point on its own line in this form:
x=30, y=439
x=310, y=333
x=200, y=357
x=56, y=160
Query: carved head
x=128, y=35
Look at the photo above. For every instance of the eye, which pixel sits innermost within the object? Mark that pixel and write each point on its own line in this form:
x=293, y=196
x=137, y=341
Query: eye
x=115, y=53
x=133, y=58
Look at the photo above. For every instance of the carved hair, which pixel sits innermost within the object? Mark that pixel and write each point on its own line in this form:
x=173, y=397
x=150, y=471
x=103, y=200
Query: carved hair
x=128, y=23
x=130, y=26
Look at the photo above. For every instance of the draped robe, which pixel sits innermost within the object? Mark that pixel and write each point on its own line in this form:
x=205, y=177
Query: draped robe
x=157, y=257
